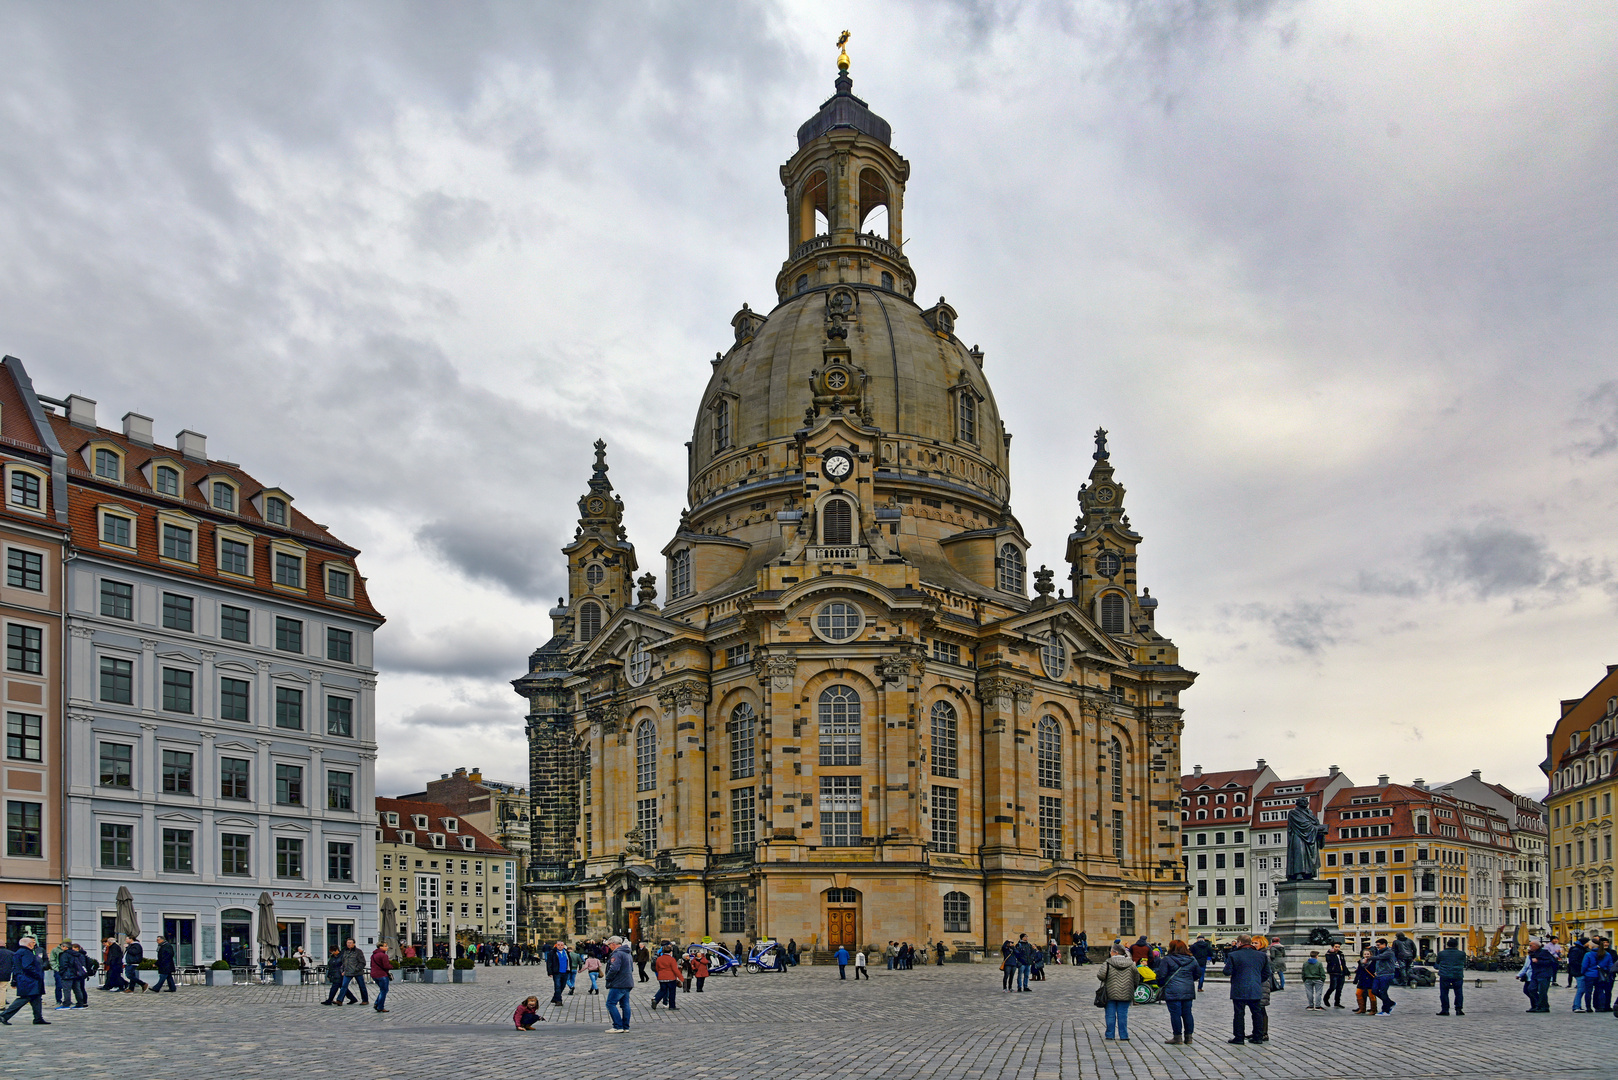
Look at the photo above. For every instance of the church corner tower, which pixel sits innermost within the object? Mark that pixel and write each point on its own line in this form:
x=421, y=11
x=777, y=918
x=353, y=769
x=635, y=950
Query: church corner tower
x=848, y=722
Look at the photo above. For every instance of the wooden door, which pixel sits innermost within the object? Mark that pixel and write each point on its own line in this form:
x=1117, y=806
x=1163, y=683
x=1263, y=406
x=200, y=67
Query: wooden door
x=634, y=927
x=841, y=922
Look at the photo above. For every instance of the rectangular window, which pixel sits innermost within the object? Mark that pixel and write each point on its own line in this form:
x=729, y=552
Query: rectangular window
x=946, y=826
x=737, y=655
x=235, y=854
x=733, y=913
x=176, y=690
x=1219, y=861
x=233, y=778
x=177, y=851
x=339, y=790
x=24, y=737
x=177, y=612
x=1219, y=886
x=646, y=821
x=24, y=834
x=1050, y=827
x=288, y=570
x=25, y=650
x=224, y=496
x=340, y=717
x=743, y=819
x=25, y=570
x=117, y=681
x=339, y=584
x=275, y=511
x=117, y=847
x=115, y=529
x=25, y=490
x=233, y=557
x=840, y=820
x=339, y=861
x=288, y=858
x=117, y=600
x=288, y=634
x=946, y=652
x=1202, y=862
x=234, y=622
x=1118, y=834
x=177, y=543
x=233, y=695
x=1202, y=916
x=289, y=785
x=339, y=645
x=1241, y=915
x=288, y=708
x=117, y=761
x=177, y=772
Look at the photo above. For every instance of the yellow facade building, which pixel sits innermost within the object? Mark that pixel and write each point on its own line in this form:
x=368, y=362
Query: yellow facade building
x=849, y=722
x=447, y=879
x=1579, y=762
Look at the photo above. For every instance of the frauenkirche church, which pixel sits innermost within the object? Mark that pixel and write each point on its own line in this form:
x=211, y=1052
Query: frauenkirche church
x=848, y=723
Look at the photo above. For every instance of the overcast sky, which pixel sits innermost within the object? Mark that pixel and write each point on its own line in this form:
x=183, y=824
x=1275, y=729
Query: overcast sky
x=1339, y=278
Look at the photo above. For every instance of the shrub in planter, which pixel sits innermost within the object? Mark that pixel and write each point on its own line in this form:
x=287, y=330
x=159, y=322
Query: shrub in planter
x=221, y=965
x=286, y=963
x=148, y=965
x=436, y=964
x=463, y=964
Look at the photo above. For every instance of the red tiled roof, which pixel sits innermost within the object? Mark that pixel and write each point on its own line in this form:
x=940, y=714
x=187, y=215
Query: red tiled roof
x=1242, y=778
x=435, y=813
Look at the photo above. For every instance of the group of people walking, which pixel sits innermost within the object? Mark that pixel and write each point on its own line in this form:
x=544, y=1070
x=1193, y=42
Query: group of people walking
x=611, y=961
x=346, y=969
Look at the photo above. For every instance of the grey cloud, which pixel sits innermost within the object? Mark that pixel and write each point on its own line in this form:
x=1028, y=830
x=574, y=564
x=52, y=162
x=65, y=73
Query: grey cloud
x=449, y=226
x=1307, y=626
x=1488, y=560
x=462, y=650
x=1601, y=408
x=518, y=556
x=468, y=715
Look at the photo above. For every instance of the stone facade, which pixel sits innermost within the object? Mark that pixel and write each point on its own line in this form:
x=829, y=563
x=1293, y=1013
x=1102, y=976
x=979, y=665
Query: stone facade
x=848, y=722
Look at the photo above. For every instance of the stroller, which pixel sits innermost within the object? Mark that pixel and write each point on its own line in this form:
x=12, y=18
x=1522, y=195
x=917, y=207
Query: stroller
x=767, y=956
x=720, y=960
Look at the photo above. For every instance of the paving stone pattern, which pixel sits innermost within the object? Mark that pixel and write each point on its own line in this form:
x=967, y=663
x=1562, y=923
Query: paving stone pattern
x=950, y=1022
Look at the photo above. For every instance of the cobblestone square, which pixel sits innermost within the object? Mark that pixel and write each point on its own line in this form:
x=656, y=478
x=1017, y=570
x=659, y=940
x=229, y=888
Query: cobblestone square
x=951, y=1022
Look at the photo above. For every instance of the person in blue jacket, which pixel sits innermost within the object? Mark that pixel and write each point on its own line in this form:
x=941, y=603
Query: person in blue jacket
x=28, y=974
x=1249, y=972
x=842, y=963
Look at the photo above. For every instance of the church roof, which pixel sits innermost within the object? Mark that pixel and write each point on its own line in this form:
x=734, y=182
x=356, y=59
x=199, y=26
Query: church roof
x=844, y=110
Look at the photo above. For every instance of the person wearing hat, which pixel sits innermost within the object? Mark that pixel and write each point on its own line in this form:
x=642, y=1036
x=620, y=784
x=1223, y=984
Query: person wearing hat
x=29, y=976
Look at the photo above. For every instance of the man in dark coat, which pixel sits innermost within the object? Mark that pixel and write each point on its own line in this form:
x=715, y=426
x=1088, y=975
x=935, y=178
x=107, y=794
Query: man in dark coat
x=1249, y=972
x=76, y=965
x=1404, y=951
x=620, y=981
x=1451, y=978
x=354, y=966
x=165, y=964
x=115, y=966
x=134, y=953
x=1337, y=972
x=29, y=976
x=1201, y=952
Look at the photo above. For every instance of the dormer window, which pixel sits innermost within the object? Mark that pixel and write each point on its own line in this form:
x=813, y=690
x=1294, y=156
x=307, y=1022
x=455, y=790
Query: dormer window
x=1010, y=569
x=275, y=510
x=721, y=425
x=224, y=496
x=469, y=843
x=117, y=529
x=452, y=824
x=166, y=480
x=407, y=837
x=966, y=417
x=339, y=583
x=178, y=543
x=25, y=489
x=393, y=819
x=288, y=570
x=420, y=820
x=109, y=466
x=438, y=839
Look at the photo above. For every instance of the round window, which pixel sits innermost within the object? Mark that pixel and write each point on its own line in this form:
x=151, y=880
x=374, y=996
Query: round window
x=640, y=664
x=1053, y=655
x=595, y=575
x=838, y=621
x=1107, y=564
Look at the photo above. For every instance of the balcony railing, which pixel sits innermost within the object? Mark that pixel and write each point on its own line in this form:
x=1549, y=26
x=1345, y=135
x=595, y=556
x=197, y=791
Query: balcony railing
x=886, y=248
x=814, y=243
x=838, y=553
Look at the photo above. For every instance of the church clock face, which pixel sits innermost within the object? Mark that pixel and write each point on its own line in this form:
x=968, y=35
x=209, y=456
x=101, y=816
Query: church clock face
x=837, y=465
x=1104, y=495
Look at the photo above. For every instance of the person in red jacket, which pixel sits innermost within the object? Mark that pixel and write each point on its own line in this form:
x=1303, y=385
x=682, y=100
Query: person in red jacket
x=699, y=969
x=527, y=1014
x=381, y=974
x=667, y=970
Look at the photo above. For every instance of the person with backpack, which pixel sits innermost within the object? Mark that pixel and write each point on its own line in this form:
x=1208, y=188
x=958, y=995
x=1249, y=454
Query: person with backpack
x=134, y=953
x=1178, y=976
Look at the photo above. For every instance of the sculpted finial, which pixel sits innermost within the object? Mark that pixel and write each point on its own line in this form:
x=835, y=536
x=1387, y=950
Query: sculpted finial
x=1101, y=445
x=842, y=54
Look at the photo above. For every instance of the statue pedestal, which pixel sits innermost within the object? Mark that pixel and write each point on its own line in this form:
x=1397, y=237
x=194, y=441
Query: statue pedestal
x=1301, y=908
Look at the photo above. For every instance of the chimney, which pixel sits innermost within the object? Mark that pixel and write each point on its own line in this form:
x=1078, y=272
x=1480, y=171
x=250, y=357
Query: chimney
x=1419, y=784
x=1477, y=774
x=1261, y=764
x=1196, y=771
x=138, y=428
x=192, y=445
x=81, y=412
x=1334, y=771
x=1382, y=781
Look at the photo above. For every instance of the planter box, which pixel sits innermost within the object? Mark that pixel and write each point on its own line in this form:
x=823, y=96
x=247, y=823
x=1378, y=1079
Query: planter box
x=218, y=978
x=288, y=978
x=430, y=975
x=470, y=975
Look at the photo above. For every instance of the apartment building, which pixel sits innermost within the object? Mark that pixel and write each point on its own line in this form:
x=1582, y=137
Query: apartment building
x=1268, y=856
x=448, y=879
x=1526, y=881
x=496, y=808
x=1216, y=818
x=1580, y=765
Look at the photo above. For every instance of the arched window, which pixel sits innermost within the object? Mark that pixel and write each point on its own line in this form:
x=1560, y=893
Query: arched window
x=887, y=281
x=1202, y=815
x=680, y=574
x=581, y=918
x=742, y=721
x=1219, y=813
x=944, y=739
x=813, y=207
x=1050, y=753
x=966, y=417
x=957, y=913
x=1115, y=767
x=1053, y=656
x=803, y=284
x=167, y=480
x=1112, y=614
x=839, y=726
x=721, y=425
x=645, y=756
x=1010, y=565
x=1126, y=918
x=873, y=208
x=589, y=621
x=837, y=523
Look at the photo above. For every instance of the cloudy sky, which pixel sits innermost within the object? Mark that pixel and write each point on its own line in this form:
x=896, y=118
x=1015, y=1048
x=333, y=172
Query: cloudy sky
x=1339, y=278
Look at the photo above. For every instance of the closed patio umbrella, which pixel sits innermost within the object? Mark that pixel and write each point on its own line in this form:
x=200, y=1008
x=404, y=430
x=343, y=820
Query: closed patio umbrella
x=388, y=934
x=269, y=935
x=126, y=924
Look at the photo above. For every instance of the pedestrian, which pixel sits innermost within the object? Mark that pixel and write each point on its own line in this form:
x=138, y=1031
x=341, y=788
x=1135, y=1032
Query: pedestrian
x=1575, y=964
x=53, y=965
x=354, y=965
x=892, y=954
x=792, y=952
x=527, y=1014
x=842, y=962
x=1037, y=968
x=5, y=977
x=76, y=964
x=1140, y=950
x=1451, y=977
x=1023, y=956
x=1178, y=978
x=334, y=978
x=165, y=964
x=556, y=961
x=1387, y=967
x=1008, y=966
x=1081, y=947
x=1365, y=984
x=1590, y=974
x=699, y=970
x=1201, y=951
x=642, y=958
x=1606, y=965
x=592, y=968
x=1543, y=967
x=1314, y=982
x=859, y=967
x=939, y=949
x=575, y=961
x=382, y=975
x=134, y=953
x=1404, y=951
x=1249, y=971
x=620, y=981
x=1118, y=979
x=1337, y=973
x=667, y=970
x=28, y=976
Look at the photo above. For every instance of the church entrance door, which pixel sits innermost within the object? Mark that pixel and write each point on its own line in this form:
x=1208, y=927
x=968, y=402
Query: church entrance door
x=840, y=922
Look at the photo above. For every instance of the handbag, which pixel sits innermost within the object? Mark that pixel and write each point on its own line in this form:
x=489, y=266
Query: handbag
x=1101, y=996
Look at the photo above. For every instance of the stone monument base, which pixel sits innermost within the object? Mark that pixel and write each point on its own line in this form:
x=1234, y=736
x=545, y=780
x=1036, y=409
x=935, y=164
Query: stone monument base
x=1302, y=907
